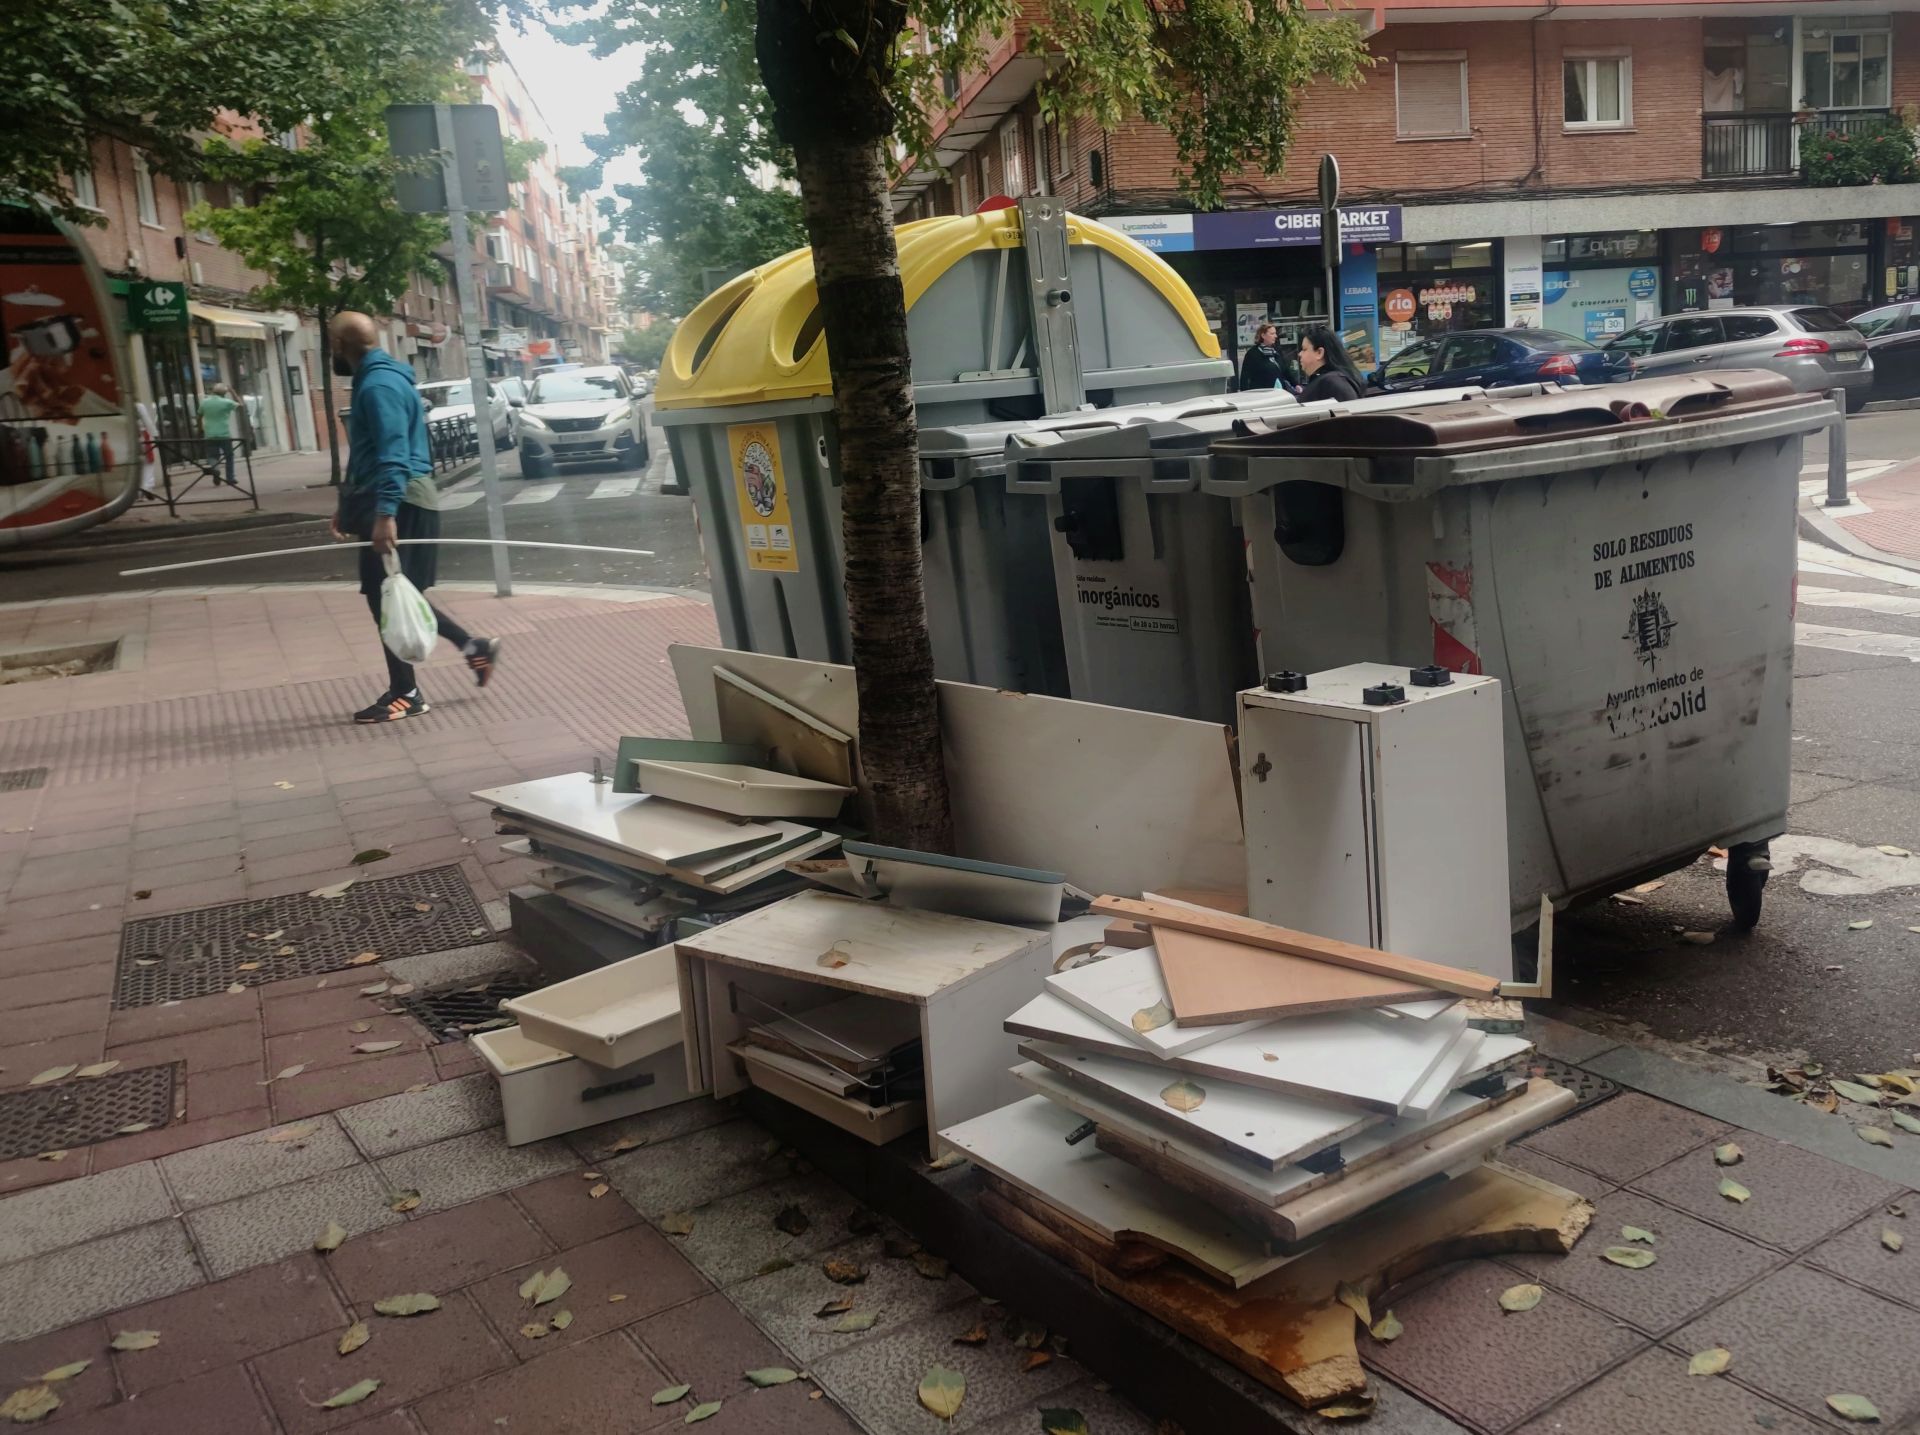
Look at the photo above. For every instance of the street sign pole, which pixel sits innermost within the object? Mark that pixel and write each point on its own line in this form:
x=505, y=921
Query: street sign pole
x=1330, y=235
x=476, y=351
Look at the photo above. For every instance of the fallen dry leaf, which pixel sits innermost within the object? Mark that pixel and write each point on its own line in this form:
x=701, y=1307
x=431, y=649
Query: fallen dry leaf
x=1184, y=1096
x=1892, y=1240
x=338, y=889
x=288, y=1073
x=402, y=988
x=771, y=1375
x=360, y=1026
x=372, y=854
x=99, y=1068
x=403, y=1201
x=364, y=959
x=64, y=1372
x=677, y=1223
x=1515, y=1299
x=291, y=1133
x=536, y=1330
x=1034, y=1359
x=374, y=1048
x=1653, y=886
x=1728, y=1154
x=1387, y=1329
x=378, y=989
x=330, y=1238
x=553, y=1285
x=1859, y=924
x=670, y=1394
x=1734, y=1191
x=136, y=1340
x=616, y=1298
x=53, y=1073
x=942, y=1391
x=1634, y=1258
x=791, y=1221
x=135, y=1127
x=843, y=1272
x=1152, y=1018
x=1638, y=1233
x=238, y=989
x=704, y=1411
x=832, y=959
x=1710, y=1361
x=1698, y=939
x=1854, y=1407
x=356, y=1335
x=417, y=1303
x=52, y=1156
x=976, y=1336
x=596, y=1192
x=352, y=1395
x=934, y=1268
x=31, y=1403
x=1355, y=1300
x=561, y=1319
x=249, y=966
x=1874, y=1135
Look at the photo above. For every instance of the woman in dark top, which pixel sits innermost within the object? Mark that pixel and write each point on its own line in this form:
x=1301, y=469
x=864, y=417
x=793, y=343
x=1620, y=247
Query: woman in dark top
x=1263, y=368
x=1330, y=373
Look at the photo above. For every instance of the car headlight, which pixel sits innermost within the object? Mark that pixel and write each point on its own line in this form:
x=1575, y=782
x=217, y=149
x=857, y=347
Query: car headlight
x=614, y=421
x=530, y=420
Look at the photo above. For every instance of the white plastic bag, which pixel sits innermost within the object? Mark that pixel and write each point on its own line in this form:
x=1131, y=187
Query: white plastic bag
x=407, y=625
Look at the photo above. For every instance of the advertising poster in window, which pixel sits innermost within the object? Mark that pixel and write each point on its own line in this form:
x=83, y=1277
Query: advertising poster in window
x=760, y=485
x=1360, y=309
x=1601, y=304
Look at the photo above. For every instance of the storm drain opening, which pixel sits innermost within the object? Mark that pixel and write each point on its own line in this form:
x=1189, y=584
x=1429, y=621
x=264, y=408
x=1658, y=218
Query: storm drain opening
x=71, y=660
x=209, y=949
x=23, y=779
x=456, y=1013
x=1586, y=1087
x=36, y=1120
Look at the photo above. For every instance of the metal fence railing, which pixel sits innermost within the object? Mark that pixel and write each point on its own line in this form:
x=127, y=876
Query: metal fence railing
x=223, y=465
x=1754, y=144
x=452, y=440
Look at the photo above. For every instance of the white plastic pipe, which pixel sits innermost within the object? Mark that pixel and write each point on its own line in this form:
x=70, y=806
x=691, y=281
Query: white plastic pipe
x=337, y=547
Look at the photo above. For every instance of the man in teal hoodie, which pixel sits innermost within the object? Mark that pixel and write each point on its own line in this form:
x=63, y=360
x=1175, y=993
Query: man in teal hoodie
x=389, y=495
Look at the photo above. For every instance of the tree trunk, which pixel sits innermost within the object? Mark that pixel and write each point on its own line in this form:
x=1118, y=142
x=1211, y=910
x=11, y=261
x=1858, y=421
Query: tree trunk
x=326, y=395
x=826, y=65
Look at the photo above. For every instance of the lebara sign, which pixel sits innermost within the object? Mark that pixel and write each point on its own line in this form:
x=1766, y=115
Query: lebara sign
x=1256, y=228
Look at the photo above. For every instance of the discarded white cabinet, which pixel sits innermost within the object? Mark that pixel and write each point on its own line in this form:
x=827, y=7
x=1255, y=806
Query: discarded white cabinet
x=548, y=1092
x=960, y=976
x=1376, y=811
x=612, y=1017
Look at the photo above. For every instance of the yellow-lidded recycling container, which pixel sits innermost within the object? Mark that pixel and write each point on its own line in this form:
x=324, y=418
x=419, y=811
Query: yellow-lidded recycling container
x=746, y=401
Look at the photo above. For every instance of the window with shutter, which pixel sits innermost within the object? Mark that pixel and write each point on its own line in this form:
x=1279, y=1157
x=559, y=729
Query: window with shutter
x=1012, y=171
x=1430, y=92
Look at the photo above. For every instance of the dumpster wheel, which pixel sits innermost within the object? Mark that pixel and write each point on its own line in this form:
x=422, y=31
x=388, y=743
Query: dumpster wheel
x=1747, y=868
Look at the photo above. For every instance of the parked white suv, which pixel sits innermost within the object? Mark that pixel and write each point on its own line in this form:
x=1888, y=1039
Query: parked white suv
x=453, y=399
x=581, y=415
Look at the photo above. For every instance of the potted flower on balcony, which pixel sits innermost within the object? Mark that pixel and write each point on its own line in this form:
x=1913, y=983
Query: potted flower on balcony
x=1881, y=151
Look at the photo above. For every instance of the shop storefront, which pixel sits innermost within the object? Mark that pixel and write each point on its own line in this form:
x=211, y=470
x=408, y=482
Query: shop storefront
x=1431, y=289
x=244, y=350
x=1597, y=286
x=1253, y=267
x=1832, y=263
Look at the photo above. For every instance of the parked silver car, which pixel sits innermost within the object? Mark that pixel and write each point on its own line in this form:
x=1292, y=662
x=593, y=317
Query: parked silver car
x=1807, y=343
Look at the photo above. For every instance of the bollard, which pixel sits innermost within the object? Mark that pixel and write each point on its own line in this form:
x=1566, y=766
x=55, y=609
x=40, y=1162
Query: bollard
x=1837, y=451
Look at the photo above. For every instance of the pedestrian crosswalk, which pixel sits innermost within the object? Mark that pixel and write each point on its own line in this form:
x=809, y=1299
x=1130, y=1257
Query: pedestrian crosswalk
x=515, y=493
x=1896, y=600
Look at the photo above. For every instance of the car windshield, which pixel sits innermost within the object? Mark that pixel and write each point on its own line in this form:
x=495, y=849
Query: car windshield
x=574, y=388
x=512, y=388
x=447, y=396
x=1819, y=321
x=1879, y=321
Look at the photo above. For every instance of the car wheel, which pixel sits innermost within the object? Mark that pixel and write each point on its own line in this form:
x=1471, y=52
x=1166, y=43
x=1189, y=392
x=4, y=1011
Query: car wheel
x=634, y=457
x=1857, y=399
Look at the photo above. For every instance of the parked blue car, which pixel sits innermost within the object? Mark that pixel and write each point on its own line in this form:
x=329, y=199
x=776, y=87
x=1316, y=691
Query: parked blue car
x=1492, y=357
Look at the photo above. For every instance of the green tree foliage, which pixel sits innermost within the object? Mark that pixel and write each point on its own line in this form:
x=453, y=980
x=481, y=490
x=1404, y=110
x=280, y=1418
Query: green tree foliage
x=1878, y=151
x=160, y=74
x=644, y=347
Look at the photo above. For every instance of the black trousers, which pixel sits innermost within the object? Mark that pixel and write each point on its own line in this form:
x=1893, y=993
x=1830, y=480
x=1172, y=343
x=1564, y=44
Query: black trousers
x=400, y=677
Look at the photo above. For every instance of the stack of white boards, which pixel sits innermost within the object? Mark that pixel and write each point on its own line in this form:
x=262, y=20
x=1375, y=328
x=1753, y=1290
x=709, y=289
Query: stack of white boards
x=596, y=1048
x=640, y=861
x=1239, y=1143
x=877, y=1018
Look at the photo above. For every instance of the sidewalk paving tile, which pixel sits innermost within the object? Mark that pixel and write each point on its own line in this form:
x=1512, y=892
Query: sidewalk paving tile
x=29, y=1171
x=1800, y=1335
x=468, y=1167
x=734, y=1237
x=225, y=1090
x=25, y=1361
x=46, y=1220
x=1696, y=1265
x=93, y=981
x=283, y=1220
x=708, y=1344
x=876, y=1377
x=1625, y=1137
x=783, y=1303
x=600, y=1385
x=333, y=1044
x=442, y=1252
x=246, y=1164
x=208, y=1049
x=132, y=1025
x=788, y=1409
x=704, y=1166
x=1652, y=1394
x=368, y=1079
x=1460, y=1353
x=339, y=1004
x=1105, y=1412
x=420, y=1118
x=178, y=1136
x=412, y=1358
x=1798, y=1197
x=458, y=964
x=222, y=1401
x=637, y=1263
x=61, y=1287
x=226, y=1322
x=1572, y=1178
x=85, y=1017
x=1857, y=1254
x=565, y=1208
x=22, y=1063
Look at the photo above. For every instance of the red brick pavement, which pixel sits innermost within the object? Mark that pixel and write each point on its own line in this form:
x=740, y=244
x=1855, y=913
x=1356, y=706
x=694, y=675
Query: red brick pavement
x=223, y=768
x=1893, y=526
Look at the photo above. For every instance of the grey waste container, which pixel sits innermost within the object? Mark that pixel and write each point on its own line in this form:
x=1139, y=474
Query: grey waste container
x=1621, y=558
x=745, y=400
x=1147, y=568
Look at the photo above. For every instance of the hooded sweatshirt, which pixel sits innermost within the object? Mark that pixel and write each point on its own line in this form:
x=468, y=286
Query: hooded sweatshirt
x=390, y=462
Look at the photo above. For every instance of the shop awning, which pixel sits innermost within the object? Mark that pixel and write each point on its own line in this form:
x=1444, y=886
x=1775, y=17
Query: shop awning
x=240, y=323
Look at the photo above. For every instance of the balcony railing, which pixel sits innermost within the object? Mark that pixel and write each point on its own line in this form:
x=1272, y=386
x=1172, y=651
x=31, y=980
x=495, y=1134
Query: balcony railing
x=1756, y=144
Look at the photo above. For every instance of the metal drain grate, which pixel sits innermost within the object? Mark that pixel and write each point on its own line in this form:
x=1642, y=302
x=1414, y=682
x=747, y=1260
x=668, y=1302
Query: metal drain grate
x=79, y=1113
x=23, y=779
x=1585, y=1086
x=198, y=953
x=452, y=1013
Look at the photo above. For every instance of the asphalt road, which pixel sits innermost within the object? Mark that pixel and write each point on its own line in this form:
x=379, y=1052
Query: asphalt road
x=599, y=505
x=1802, y=984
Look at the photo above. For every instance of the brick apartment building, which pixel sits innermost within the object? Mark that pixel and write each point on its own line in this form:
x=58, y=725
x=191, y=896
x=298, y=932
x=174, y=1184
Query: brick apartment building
x=1578, y=167
x=271, y=358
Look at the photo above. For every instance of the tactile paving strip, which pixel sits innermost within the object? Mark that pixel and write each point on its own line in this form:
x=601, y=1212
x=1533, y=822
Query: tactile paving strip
x=206, y=950
x=39, y=1119
x=454, y=1013
x=23, y=779
x=1586, y=1087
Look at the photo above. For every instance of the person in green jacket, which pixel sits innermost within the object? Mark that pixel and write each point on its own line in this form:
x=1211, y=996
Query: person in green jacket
x=216, y=423
x=389, y=494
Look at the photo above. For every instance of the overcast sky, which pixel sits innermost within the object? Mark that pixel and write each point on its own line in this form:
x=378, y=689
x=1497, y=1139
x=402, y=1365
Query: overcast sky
x=574, y=88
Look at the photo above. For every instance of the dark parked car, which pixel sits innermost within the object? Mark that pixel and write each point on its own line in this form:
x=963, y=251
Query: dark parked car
x=1893, y=338
x=1494, y=357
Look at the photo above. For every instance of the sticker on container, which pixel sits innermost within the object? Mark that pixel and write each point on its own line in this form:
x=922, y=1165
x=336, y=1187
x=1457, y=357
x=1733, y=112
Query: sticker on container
x=760, y=485
x=1120, y=604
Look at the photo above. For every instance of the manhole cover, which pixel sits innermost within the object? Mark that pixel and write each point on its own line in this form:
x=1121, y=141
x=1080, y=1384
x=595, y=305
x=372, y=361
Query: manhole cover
x=79, y=1113
x=23, y=779
x=198, y=953
x=1585, y=1086
x=455, y=1013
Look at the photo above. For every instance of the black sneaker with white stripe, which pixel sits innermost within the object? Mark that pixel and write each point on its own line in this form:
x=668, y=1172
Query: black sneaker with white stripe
x=393, y=708
x=483, y=656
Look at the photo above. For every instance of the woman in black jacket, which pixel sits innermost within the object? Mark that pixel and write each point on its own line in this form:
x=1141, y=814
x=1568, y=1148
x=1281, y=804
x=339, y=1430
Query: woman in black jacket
x=1330, y=373
x=1263, y=368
